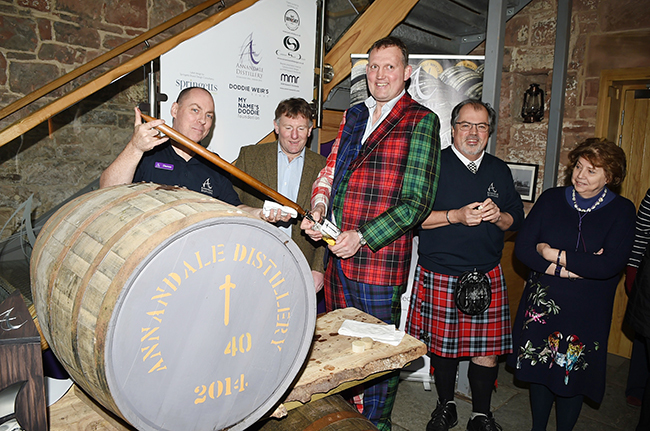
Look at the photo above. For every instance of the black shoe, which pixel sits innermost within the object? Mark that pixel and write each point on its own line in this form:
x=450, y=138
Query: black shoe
x=483, y=423
x=443, y=417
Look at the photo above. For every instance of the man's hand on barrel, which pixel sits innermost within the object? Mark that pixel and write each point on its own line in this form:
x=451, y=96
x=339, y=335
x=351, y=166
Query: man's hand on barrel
x=145, y=136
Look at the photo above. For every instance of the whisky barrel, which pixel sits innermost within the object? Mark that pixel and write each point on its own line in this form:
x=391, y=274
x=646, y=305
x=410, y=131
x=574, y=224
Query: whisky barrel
x=331, y=413
x=171, y=309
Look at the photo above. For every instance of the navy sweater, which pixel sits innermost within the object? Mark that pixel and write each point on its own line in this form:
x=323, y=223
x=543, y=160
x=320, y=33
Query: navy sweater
x=457, y=248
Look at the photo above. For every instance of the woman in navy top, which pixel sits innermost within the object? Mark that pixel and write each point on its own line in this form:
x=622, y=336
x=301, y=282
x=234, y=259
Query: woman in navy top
x=576, y=241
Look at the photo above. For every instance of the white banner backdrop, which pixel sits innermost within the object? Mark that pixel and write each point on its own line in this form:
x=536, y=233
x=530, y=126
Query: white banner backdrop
x=439, y=82
x=249, y=62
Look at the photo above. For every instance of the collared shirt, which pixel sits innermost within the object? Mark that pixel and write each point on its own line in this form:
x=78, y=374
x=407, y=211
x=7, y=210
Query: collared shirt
x=289, y=175
x=162, y=165
x=465, y=160
x=420, y=175
x=371, y=103
x=323, y=195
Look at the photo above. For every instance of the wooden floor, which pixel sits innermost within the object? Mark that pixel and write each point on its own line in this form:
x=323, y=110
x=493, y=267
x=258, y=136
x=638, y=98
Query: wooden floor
x=76, y=412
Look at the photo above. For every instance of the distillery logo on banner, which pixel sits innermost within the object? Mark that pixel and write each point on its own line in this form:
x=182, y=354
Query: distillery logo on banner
x=248, y=68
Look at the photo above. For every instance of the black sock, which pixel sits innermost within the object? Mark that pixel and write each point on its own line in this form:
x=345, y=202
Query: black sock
x=481, y=381
x=444, y=374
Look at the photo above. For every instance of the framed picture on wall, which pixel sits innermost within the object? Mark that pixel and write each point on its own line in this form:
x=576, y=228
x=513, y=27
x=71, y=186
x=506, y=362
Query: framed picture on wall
x=524, y=176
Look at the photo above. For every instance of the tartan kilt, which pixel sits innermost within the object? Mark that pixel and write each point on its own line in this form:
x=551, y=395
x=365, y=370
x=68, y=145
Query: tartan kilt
x=434, y=319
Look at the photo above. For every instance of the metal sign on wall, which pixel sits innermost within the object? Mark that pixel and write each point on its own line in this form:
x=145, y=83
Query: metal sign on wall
x=438, y=82
x=249, y=62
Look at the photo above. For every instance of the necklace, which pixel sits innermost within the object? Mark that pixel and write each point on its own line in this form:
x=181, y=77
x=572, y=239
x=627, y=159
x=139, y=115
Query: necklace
x=590, y=209
x=581, y=238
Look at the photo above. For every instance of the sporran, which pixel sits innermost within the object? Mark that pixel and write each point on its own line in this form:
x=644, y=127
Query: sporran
x=473, y=293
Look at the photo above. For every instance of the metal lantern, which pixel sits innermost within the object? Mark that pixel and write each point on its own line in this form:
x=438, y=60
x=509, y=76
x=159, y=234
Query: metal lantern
x=533, y=107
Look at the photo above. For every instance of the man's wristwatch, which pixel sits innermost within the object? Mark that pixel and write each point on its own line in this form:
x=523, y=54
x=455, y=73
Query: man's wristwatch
x=362, y=240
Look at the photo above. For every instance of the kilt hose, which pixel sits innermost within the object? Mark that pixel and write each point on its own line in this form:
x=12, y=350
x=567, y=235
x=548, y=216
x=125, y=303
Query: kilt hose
x=434, y=319
x=382, y=302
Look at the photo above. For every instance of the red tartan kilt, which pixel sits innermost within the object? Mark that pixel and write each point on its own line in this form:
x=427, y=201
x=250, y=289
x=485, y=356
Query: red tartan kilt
x=434, y=319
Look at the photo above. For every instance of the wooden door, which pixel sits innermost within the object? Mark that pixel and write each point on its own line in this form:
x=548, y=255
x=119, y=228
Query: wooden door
x=626, y=121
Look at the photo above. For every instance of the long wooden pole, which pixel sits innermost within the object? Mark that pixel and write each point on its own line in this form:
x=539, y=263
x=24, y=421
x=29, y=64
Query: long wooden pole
x=233, y=170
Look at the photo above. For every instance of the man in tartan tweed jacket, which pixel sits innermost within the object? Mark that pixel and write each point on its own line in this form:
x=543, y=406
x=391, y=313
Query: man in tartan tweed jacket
x=379, y=183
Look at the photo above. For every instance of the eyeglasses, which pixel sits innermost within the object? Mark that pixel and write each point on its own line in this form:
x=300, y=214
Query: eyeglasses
x=467, y=126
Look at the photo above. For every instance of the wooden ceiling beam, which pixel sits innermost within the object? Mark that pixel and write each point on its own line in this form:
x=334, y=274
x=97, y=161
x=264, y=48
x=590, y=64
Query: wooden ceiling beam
x=377, y=21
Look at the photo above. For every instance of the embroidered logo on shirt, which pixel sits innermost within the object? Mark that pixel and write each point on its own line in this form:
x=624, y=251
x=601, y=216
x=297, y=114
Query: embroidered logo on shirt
x=492, y=191
x=165, y=166
x=206, y=187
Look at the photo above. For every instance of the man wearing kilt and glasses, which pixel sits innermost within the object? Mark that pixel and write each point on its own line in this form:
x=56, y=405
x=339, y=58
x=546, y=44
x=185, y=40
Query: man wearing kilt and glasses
x=459, y=304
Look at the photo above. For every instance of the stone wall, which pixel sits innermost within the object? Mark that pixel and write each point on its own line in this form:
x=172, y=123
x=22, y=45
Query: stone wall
x=41, y=40
x=605, y=34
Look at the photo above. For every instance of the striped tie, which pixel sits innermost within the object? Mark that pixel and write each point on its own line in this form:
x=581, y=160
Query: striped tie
x=472, y=167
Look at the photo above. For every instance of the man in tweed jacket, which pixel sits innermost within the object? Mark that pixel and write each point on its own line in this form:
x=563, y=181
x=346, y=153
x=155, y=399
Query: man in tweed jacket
x=289, y=168
x=379, y=183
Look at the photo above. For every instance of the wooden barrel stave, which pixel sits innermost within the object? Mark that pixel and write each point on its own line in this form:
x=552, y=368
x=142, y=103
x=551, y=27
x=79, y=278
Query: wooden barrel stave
x=91, y=266
x=92, y=252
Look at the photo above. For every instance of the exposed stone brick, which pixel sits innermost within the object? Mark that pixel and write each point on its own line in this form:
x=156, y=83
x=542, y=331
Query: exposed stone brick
x=27, y=77
x=543, y=32
x=584, y=6
x=588, y=22
x=165, y=10
x=578, y=126
x=111, y=28
x=588, y=112
x=570, y=95
x=74, y=35
x=39, y=5
x=623, y=15
x=617, y=51
x=577, y=56
x=592, y=86
x=45, y=29
x=541, y=9
x=3, y=69
x=532, y=60
x=130, y=13
x=87, y=8
x=61, y=53
x=18, y=33
x=528, y=143
x=13, y=55
x=111, y=42
x=518, y=31
x=506, y=66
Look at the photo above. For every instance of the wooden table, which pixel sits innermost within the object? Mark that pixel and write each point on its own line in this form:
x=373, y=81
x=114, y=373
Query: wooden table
x=330, y=368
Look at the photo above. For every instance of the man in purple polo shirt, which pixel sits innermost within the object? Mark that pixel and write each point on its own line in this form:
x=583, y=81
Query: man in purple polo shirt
x=154, y=158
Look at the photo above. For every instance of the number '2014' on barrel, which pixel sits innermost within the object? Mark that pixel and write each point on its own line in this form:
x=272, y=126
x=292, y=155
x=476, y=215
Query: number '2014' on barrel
x=172, y=309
